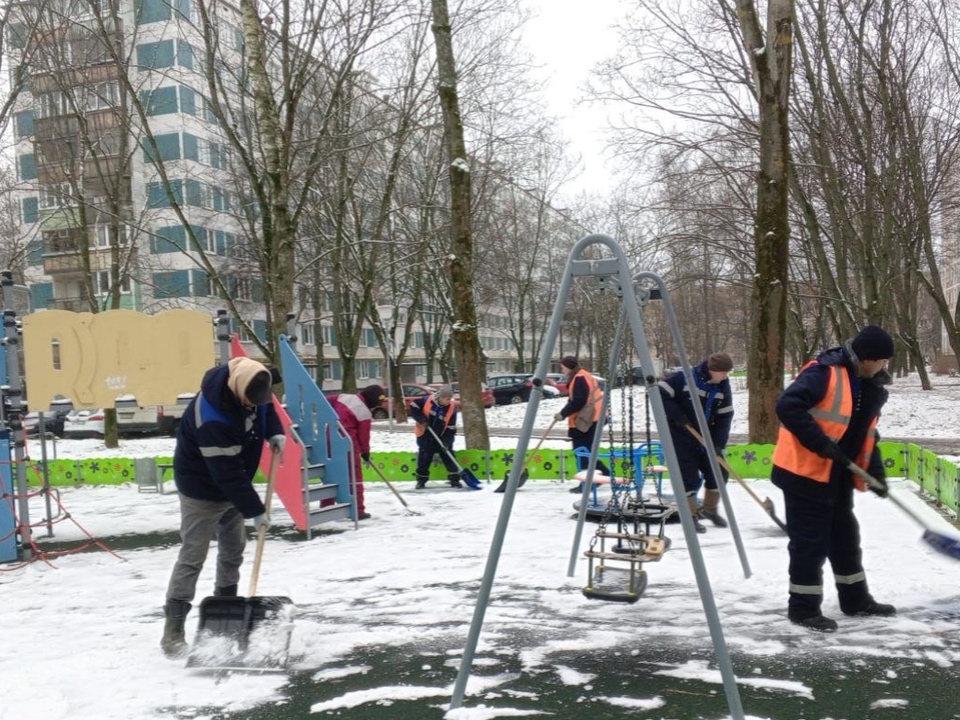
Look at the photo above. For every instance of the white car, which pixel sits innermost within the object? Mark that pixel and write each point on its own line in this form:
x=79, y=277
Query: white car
x=83, y=424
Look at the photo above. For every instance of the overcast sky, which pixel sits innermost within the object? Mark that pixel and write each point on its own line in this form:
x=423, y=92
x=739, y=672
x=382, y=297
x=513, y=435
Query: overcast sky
x=569, y=37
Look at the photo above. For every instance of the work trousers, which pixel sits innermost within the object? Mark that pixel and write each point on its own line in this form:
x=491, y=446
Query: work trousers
x=200, y=522
x=428, y=449
x=820, y=531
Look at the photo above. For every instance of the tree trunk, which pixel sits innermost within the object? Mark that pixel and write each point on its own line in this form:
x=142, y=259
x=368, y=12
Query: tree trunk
x=465, y=334
x=771, y=61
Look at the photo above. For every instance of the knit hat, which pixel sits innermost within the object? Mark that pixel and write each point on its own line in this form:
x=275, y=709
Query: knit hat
x=873, y=343
x=720, y=362
x=249, y=381
x=372, y=396
x=445, y=392
x=569, y=362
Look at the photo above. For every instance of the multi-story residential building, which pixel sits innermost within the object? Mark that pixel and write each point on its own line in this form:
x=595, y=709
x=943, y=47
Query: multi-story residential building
x=112, y=131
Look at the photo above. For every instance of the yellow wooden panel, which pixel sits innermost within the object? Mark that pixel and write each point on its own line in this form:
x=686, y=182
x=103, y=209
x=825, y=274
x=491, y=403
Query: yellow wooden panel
x=93, y=358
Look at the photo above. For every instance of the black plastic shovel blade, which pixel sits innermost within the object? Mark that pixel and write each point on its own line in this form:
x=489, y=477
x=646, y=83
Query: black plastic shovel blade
x=237, y=616
x=524, y=476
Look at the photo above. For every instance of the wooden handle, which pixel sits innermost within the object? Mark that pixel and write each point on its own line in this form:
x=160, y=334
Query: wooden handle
x=262, y=532
x=723, y=463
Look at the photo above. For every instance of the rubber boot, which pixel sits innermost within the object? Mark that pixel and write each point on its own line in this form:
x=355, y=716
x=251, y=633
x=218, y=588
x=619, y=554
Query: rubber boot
x=710, y=511
x=174, y=642
x=225, y=591
x=454, y=480
x=695, y=512
x=422, y=481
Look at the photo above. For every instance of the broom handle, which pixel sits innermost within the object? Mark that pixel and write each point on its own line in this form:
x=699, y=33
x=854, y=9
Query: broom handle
x=723, y=463
x=872, y=482
x=262, y=532
x=537, y=448
x=389, y=484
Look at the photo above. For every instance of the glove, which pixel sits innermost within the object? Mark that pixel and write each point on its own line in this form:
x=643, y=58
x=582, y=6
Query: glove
x=832, y=451
x=261, y=521
x=277, y=442
x=881, y=488
x=365, y=457
x=558, y=417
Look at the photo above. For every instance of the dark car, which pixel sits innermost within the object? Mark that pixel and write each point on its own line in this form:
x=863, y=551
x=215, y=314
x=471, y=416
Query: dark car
x=52, y=418
x=511, y=389
x=485, y=393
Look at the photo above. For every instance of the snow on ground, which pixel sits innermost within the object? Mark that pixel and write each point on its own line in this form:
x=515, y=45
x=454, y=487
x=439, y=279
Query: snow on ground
x=80, y=634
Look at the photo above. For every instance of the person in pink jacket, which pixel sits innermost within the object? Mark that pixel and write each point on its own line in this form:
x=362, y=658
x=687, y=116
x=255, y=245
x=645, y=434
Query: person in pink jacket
x=354, y=414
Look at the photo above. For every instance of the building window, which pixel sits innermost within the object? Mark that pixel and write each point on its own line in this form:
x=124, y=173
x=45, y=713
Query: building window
x=35, y=252
x=305, y=332
x=55, y=196
x=155, y=55
x=167, y=145
x=333, y=370
x=101, y=282
x=23, y=124
x=31, y=210
x=27, y=167
x=329, y=335
x=368, y=369
x=110, y=235
x=151, y=11
x=40, y=295
x=168, y=239
x=161, y=101
x=174, y=284
x=158, y=197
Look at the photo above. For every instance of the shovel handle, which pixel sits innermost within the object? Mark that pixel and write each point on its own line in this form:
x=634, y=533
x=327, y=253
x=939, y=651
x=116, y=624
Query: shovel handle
x=262, y=532
x=725, y=466
x=389, y=484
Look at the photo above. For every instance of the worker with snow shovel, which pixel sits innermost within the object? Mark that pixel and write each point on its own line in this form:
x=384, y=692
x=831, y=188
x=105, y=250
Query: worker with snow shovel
x=219, y=442
x=715, y=396
x=436, y=428
x=828, y=417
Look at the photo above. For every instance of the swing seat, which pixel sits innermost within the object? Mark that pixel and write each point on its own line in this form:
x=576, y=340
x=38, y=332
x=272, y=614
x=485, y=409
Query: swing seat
x=647, y=548
x=610, y=584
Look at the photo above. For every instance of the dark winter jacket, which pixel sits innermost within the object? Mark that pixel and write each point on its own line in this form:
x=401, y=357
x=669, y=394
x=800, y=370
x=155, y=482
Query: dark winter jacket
x=437, y=420
x=793, y=410
x=715, y=399
x=219, y=444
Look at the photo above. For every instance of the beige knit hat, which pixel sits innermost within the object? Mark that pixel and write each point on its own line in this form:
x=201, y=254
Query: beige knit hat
x=249, y=381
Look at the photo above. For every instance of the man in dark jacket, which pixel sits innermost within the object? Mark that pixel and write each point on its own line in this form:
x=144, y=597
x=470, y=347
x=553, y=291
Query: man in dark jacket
x=828, y=418
x=714, y=395
x=219, y=442
x=436, y=412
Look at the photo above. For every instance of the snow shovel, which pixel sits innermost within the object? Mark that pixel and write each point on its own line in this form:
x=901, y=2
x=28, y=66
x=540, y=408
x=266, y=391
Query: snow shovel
x=236, y=617
x=940, y=542
x=468, y=477
x=524, y=475
x=766, y=503
x=393, y=490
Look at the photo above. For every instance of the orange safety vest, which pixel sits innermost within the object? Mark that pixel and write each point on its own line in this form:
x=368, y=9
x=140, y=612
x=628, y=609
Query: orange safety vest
x=594, y=400
x=419, y=429
x=833, y=415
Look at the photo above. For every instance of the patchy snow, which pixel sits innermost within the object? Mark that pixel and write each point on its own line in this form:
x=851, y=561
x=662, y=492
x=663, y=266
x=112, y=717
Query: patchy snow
x=86, y=627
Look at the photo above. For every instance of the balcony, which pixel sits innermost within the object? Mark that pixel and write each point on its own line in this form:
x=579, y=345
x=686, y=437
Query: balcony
x=75, y=304
x=72, y=262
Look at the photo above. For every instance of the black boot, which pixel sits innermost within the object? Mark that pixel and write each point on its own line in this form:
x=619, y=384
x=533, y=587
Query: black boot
x=454, y=480
x=872, y=607
x=225, y=591
x=174, y=642
x=814, y=622
x=422, y=481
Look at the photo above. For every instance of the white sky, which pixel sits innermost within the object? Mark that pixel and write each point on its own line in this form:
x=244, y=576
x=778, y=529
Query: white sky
x=86, y=628
x=570, y=37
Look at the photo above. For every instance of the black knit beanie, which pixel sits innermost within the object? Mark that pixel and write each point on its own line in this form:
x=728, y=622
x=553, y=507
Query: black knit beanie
x=873, y=343
x=372, y=395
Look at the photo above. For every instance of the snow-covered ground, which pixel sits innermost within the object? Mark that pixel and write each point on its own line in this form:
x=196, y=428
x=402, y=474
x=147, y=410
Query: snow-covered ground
x=80, y=633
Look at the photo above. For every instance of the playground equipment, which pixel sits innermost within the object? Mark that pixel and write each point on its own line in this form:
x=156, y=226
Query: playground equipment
x=612, y=273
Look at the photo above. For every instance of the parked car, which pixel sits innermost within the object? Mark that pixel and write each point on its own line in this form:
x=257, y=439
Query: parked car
x=485, y=393
x=411, y=392
x=132, y=419
x=511, y=389
x=52, y=418
x=559, y=381
x=169, y=415
x=550, y=389
x=83, y=424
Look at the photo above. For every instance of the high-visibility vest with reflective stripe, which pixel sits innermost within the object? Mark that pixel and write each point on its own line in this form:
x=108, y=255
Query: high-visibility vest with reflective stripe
x=427, y=407
x=832, y=414
x=594, y=397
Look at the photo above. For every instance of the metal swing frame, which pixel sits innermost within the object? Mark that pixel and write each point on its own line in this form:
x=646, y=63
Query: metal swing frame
x=613, y=273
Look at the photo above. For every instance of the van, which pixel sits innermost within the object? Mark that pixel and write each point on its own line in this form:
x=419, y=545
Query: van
x=135, y=420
